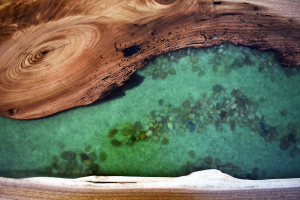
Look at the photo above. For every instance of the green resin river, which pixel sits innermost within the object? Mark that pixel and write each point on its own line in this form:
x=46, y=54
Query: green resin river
x=226, y=107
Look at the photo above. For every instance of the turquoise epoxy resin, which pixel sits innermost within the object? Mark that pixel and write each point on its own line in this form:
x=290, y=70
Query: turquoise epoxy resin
x=227, y=107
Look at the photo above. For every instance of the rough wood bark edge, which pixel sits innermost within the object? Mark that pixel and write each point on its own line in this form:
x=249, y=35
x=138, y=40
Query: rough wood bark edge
x=55, y=55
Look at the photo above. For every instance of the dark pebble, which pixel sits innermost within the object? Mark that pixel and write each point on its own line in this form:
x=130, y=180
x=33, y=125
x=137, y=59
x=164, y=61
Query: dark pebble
x=163, y=75
x=94, y=168
x=218, y=162
x=264, y=127
x=113, y=132
x=115, y=143
x=191, y=126
x=232, y=125
x=84, y=157
x=291, y=137
x=285, y=143
x=165, y=141
x=283, y=112
x=161, y=102
x=208, y=160
x=217, y=88
x=187, y=103
x=248, y=61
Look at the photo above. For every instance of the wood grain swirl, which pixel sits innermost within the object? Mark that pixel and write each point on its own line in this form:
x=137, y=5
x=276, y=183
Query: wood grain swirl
x=55, y=55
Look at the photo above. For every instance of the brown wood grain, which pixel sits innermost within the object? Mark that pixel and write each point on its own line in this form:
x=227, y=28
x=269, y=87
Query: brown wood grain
x=57, y=54
x=12, y=192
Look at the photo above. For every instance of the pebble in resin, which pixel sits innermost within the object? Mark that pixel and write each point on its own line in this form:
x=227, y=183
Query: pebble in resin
x=112, y=133
x=283, y=112
x=191, y=126
x=171, y=119
x=233, y=106
x=201, y=73
x=232, y=125
x=194, y=59
x=208, y=160
x=165, y=141
x=196, y=68
x=142, y=135
x=145, y=127
x=165, y=135
x=87, y=162
x=191, y=116
x=181, y=130
x=158, y=118
x=218, y=162
x=155, y=138
x=258, y=115
x=68, y=155
x=285, y=143
x=251, y=115
x=230, y=108
x=94, y=168
x=252, y=133
x=160, y=102
x=84, y=156
x=170, y=126
x=148, y=133
x=172, y=71
x=88, y=148
x=115, y=143
x=217, y=88
x=163, y=75
x=138, y=125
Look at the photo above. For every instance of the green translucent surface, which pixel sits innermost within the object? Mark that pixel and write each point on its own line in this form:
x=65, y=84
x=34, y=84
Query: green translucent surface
x=229, y=107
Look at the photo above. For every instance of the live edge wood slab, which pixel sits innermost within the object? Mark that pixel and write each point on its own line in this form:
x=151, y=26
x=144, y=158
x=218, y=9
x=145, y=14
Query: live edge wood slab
x=208, y=184
x=58, y=54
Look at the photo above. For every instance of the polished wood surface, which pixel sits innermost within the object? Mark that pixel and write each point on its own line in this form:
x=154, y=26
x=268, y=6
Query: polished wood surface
x=207, y=184
x=57, y=54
